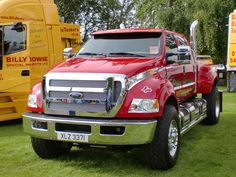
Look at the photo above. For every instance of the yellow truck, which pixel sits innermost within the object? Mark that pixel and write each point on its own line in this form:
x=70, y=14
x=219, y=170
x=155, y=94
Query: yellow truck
x=32, y=41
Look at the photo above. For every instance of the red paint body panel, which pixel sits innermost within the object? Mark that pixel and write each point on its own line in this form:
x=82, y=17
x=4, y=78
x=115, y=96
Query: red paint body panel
x=164, y=84
x=127, y=66
x=158, y=84
x=207, y=77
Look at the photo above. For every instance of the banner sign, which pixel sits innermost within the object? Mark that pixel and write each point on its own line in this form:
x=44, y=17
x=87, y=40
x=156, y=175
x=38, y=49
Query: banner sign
x=231, y=60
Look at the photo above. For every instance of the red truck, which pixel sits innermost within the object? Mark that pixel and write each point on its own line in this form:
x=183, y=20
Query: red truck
x=124, y=88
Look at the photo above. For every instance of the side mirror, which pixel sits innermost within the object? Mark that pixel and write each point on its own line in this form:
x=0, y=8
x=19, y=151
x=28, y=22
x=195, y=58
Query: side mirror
x=19, y=27
x=184, y=49
x=68, y=53
x=184, y=52
x=71, y=55
x=171, y=57
x=182, y=55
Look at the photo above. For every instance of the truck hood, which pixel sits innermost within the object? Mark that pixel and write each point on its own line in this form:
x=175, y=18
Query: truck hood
x=127, y=66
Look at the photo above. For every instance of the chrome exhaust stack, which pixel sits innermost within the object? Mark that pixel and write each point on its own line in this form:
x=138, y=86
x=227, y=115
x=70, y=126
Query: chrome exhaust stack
x=193, y=40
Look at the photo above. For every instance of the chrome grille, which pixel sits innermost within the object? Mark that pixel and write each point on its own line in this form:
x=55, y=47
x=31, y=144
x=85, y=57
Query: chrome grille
x=79, y=94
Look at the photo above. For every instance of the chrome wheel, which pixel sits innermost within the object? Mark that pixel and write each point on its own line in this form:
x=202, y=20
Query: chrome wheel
x=173, y=138
x=162, y=153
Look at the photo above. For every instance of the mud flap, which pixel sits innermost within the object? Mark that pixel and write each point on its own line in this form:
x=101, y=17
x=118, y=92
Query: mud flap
x=221, y=100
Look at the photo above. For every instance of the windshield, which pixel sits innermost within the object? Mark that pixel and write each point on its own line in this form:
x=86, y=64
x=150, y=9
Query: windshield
x=120, y=45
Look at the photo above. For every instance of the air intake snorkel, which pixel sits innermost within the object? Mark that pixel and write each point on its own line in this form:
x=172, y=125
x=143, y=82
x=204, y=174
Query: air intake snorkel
x=193, y=41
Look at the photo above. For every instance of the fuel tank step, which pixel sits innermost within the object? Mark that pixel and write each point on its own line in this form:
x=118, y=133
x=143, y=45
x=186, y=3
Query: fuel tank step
x=192, y=112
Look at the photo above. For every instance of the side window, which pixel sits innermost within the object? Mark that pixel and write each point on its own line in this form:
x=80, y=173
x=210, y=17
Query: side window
x=170, y=43
x=14, y=39
x=171, y=48
x=181, y=40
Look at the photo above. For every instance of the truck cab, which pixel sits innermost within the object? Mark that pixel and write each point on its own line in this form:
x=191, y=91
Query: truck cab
x=125, y=87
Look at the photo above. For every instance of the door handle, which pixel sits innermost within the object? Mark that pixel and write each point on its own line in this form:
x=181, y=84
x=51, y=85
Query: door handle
x=25, y=72
x=184, y=69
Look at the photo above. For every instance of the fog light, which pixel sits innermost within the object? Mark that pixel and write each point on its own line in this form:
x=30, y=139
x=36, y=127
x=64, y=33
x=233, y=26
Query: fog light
x=39, y=125
x=112, y=130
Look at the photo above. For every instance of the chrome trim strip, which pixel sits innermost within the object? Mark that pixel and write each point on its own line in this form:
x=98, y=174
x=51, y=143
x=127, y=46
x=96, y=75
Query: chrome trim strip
x=184, y=86
x=79, y=101
x=39, y=129
x=80, y=76
x=77, y=89
x=141, y=76
x=192, y=124
x=129, y=137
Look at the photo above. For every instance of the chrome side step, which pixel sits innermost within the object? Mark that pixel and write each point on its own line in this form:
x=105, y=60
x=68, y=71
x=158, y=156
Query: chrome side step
x=191, y=113
x=191, y=125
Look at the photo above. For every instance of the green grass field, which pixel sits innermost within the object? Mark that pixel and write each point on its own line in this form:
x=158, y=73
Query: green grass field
x=206, y=151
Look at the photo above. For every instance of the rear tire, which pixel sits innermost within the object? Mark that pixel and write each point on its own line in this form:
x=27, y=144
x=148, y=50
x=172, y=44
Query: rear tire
x=162, y=152
x=49, y=149
x=213, y=107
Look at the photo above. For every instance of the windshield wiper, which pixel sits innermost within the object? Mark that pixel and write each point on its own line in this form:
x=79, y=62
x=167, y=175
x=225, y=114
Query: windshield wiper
x=125, y=54
x=92, y=54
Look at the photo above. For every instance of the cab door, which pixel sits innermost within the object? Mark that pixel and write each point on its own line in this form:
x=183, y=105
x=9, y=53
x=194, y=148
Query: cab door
x=175, y=70
x=25, y=56
x=189, y=68
x=14, y=77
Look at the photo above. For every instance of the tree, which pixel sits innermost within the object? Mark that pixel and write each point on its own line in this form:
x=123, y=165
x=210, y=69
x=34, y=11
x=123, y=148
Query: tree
x=177, y=15
x=70, y=10
x=117, y=12
x=97, y=15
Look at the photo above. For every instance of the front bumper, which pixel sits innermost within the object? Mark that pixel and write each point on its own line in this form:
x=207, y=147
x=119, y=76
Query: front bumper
x=135, y=132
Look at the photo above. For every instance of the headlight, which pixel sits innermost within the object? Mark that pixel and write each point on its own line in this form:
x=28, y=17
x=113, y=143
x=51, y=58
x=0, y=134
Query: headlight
x=32, y=101
x=144, y=106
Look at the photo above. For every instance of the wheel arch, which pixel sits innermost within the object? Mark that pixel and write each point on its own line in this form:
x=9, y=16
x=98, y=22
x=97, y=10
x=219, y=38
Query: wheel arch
x=207, y=78
x=171, y=100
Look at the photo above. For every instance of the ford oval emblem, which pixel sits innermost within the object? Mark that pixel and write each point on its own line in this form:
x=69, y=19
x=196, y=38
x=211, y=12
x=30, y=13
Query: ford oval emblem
x=76, y=95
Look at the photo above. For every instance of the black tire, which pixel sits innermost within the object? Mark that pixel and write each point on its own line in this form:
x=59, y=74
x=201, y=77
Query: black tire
x=158, y=153
x=49, y=149
x=213, y=107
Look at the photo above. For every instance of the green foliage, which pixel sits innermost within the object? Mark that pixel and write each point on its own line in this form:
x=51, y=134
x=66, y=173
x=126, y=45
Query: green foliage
x=69, y=9
x=177, y=15
x=97, y=15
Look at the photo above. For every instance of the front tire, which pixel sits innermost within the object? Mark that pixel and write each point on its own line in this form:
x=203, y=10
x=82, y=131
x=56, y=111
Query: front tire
x=49, y=149
x=213, y=107
x=162, y=152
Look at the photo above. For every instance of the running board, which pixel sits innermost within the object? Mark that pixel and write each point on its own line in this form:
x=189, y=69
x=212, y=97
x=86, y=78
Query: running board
x=191, y=125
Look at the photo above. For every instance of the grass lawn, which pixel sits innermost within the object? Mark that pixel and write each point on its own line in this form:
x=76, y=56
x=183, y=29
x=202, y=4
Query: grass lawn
x=206, y=151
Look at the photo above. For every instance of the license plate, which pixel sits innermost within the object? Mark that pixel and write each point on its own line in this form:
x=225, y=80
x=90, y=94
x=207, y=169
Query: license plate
x=77, y=137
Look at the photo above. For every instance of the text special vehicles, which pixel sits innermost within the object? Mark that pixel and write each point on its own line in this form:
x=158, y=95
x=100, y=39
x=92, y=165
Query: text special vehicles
x=32, y=40
x=125, y=87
